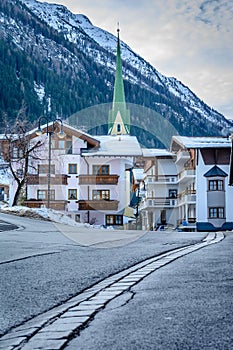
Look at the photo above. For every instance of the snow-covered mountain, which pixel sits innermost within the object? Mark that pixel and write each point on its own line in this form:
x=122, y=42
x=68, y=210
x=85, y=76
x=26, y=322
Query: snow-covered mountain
x=71, y=42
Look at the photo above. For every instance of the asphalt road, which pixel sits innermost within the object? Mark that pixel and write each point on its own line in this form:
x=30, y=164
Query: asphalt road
x=187, y=304
x=7, y=226
x=184, y=305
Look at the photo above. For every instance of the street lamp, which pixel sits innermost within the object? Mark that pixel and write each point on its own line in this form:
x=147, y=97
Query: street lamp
x=60, y=134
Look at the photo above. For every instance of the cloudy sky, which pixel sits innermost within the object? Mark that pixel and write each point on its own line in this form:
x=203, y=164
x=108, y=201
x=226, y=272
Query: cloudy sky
x=190, y=40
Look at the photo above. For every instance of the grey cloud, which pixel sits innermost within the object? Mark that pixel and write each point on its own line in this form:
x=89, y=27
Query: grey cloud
x=218, y=13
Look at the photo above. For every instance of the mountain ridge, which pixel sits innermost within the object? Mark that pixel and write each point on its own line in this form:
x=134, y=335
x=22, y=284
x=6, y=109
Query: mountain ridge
x=68, y=49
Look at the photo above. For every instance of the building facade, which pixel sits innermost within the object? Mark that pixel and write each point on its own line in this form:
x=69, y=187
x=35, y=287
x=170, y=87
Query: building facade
x=206, y=175
x=159, y=189
x=88, y=176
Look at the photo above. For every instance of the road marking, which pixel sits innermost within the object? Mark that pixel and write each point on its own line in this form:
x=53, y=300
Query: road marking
x=55, y=328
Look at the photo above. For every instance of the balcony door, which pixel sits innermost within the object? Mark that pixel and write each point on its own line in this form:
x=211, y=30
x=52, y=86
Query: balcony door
x=163, y=218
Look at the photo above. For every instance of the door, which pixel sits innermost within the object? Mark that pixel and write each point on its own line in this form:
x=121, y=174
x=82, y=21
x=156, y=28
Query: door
x=163, y=217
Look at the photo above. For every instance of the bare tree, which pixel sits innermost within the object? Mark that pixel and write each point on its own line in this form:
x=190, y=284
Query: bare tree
x=21, y=149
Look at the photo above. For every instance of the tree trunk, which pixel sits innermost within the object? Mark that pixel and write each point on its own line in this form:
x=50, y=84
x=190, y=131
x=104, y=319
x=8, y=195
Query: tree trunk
x=17, y=193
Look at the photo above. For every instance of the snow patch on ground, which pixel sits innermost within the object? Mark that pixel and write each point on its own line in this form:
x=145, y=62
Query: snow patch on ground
x=44, y=214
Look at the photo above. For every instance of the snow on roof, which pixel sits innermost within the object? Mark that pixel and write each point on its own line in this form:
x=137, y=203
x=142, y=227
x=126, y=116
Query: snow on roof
x=156, y=152
x=202, y=142
x=116, y=146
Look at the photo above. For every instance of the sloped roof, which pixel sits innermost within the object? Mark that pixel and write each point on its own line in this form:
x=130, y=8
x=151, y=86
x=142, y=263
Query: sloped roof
x=201, y=142
x=68, y=130
x=115, y=146
x=215, y=171
x=156, y=152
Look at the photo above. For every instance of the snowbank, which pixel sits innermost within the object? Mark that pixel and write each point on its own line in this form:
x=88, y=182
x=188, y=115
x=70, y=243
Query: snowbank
x=44, y=214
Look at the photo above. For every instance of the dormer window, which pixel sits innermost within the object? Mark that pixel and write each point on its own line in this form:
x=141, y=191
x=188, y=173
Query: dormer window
x=118, y=128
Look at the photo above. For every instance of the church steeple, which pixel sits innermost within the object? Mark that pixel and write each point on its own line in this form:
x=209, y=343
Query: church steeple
x=119, y=115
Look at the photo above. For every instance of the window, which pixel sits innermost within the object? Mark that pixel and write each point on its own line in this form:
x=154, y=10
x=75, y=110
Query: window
x=77, y=218
x=221, y=213
x=15, y=152
x=118, y=127
x=172, y=193
x=216, y=185
x=44, y=169
x=2, y=193
x=101, y=169
x=61, y=144
x=69, y=149
x=216, y=213
x=99, y=195
x=72, y=168
x=21, y=155
x=43, y=194
x=72, y=194
x=114, y=220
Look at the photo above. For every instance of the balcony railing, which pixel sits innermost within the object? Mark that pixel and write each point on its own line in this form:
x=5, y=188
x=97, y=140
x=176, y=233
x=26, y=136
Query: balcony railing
x=58, y=179
x=182, y=156
x=161, y=179
x=54, y=204
x=186, y=173
x=98, y=179
x=187, y=196
x=159, y=202
x=98, y=205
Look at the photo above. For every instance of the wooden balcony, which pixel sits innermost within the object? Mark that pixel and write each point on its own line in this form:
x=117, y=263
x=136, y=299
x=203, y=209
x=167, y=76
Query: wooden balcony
x=98, y=205
x=56, y=205
x=98, y=179
x=58, y=179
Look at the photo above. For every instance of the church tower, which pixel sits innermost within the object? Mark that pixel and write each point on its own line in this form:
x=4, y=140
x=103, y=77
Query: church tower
x=119, y=115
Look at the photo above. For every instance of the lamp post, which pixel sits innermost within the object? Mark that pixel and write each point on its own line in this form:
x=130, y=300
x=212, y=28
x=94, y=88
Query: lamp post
x=49, y=133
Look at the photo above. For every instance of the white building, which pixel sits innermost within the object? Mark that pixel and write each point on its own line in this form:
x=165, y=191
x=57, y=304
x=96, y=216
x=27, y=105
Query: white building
x=205, y=177
x=89, y=177
x=188, y=185
x=159, y=189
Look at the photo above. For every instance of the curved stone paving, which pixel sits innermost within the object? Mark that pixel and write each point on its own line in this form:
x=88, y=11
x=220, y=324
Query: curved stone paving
x=54, y=329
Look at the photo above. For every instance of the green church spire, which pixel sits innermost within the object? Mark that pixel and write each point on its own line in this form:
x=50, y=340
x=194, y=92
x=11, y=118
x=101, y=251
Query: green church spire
x=119, y=115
